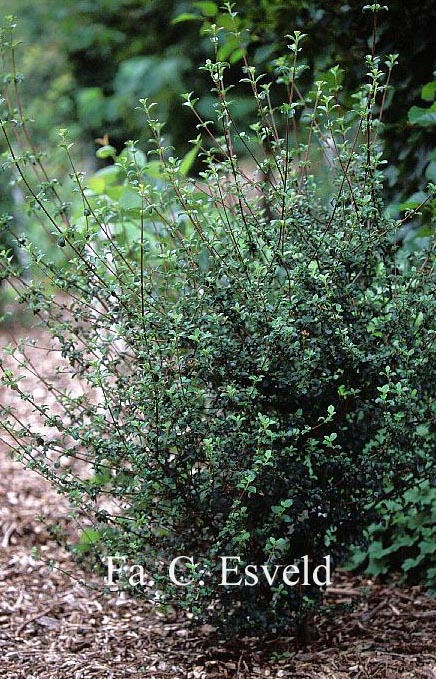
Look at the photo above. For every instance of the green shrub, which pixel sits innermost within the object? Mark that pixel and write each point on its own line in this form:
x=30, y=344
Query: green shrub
x=402, y=539
x=259, y=366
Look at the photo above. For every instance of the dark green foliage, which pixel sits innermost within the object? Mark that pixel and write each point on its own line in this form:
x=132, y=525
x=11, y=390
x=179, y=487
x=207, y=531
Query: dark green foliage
x=121, y=50
x=402, y=539
x=259, y=363
x=423, y=118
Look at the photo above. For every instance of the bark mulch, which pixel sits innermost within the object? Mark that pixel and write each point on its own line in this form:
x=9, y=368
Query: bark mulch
x=56, y=626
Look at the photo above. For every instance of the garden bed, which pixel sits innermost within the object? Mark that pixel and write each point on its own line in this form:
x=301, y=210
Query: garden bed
x=54, y=626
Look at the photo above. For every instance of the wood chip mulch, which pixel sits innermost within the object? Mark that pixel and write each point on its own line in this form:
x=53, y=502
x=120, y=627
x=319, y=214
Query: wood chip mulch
x=54, y=626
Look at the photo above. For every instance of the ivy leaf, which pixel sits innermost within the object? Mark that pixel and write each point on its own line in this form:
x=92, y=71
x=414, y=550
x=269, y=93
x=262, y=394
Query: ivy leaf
x=423, y=116
x=428, y=92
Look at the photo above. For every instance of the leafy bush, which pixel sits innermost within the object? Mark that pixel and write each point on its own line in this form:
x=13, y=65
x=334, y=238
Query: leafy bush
x=257, y=365
x=402, y=540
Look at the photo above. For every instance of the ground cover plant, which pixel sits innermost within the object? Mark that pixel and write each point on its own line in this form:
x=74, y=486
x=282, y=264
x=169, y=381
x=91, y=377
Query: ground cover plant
x=258, y=362
x=401, y=541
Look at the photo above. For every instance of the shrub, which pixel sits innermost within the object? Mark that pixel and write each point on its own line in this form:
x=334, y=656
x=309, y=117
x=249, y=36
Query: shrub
x=258, y=364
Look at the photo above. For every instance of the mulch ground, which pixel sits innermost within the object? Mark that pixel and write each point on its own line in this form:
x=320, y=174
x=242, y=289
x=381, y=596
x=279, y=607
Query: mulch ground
x=56, y=626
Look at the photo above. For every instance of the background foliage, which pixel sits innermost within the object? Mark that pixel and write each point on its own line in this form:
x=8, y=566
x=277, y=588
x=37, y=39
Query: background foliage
x=115, y=51
x=402, y=540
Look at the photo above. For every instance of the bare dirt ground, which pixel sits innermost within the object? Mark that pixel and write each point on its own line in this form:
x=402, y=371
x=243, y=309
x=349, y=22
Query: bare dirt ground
x=56, y=626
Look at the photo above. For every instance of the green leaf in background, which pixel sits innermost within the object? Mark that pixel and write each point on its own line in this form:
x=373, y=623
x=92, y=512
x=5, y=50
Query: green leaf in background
x=413, y=201
x=91, y=106
x=423, y=116
x=130, y=200
x=133, y=156
x=88, y=538
x=186, y=16
x=428, y=92
x=102, y=179
x=107, y=151
x=188, y=160
x=209, y=9
x=430, y=172
x=114, y=192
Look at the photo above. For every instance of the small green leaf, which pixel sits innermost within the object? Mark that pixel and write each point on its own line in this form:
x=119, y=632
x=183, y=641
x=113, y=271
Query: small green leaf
x=188, y=160
x=88, y=538
x=186, y=16
x=106, y=152
x=419, y=320
x=237, y=55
